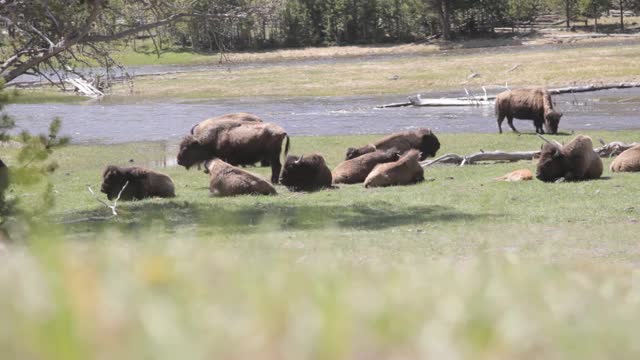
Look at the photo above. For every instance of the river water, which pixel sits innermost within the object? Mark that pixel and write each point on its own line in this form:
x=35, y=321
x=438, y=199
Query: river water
x=108, y=123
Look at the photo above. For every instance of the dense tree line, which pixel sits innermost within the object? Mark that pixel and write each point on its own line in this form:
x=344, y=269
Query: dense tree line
x=292, y=23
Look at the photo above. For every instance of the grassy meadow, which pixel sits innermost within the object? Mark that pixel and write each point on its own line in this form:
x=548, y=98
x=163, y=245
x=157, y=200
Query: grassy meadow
x=459, y=266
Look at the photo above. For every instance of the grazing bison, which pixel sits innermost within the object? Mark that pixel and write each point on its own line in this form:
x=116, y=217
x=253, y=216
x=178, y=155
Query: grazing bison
x=306, y=173
x=237, y=143
x=423, y=140
x=405, y=171
x=573, y=161
x=356, y=170
x=627, y=161
x=228, y=180
x=528, y=104
x=235, y=117
x=143, y=183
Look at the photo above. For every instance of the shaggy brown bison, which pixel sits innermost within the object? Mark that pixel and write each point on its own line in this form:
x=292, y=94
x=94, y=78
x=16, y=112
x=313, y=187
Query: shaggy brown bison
x=405, y=171
x=306, y=173
x=528, y=104
x=235, y=116
x=228, y=180
x=421, y=139
x=356, y=170
x=143, y=183
x=627, y=161
x=237, y=143
x=573, y=161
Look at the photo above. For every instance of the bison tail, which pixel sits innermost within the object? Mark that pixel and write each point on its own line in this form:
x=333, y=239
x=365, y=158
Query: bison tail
x=286, y=146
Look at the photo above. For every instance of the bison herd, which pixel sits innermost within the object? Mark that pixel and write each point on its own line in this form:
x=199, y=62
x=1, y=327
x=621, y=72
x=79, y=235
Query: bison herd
x=223, y=143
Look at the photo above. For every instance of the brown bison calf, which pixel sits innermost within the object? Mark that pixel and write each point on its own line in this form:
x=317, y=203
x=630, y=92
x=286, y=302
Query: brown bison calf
x=356, y=170
x=405, y=171
x=306, y=173
x=143, y=183
x=573, y=161
x=236, y=142
x=228, y=180
x=528, y=104
x=627, y=161
x=423, y=140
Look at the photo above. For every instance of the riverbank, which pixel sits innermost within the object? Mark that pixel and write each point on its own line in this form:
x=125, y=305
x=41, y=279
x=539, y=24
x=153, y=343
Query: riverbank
x=397, y=74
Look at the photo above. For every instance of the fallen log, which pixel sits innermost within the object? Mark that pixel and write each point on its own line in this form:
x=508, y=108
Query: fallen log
x=488, y=99
x=481, y=156
x=614, y=148
x=606, y=150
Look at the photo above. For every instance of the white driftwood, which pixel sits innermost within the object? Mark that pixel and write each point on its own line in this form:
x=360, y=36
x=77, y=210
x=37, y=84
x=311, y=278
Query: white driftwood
x=488, y=100
x=613, y=148
x=456, y=159
x=84, y=87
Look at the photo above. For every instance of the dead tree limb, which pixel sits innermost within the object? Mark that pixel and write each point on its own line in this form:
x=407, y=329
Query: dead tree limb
x=482, y=156
x=613, y=148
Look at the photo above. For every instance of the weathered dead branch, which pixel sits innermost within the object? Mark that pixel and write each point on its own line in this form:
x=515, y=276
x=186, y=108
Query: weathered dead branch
x=113, y=208
x=613, y=148
x=495, y=156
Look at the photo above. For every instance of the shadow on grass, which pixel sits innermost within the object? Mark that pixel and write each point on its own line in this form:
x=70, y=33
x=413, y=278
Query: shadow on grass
x=261, y=217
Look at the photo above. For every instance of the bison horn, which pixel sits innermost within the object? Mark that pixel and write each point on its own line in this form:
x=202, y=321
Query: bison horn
x=299, y=159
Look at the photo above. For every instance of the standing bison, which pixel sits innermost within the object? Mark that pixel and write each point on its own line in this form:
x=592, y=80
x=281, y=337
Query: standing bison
x=405, y=171
x=423, y=140
x=306, y=173
x=356, y=170
x=227, y=180
x=528, y=104
x=237, y=143
x=627, y=161
x=142, y=183
x=573, y=161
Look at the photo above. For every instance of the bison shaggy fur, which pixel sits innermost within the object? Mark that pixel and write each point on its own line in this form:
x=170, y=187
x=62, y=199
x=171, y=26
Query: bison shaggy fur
x=422, y=139
x=356, y=170
x=573, y=161
x=246, y=117
x=528, y=104
x=237, y=143
x=228, y=180
x=142, y=183
x=306, y=173
x=405, y=171
x=627, y=161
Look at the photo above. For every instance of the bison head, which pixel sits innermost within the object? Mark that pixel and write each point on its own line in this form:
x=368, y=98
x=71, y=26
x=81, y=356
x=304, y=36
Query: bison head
x=551, y=121
x=430, y=145
x=113, y=180
x=552, y=165
x=191, y=152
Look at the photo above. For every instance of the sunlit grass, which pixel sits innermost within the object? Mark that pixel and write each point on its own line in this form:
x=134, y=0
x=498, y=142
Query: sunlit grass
x=600, y=63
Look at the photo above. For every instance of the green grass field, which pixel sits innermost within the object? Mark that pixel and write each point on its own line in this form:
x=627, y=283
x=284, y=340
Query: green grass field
x=460, y=266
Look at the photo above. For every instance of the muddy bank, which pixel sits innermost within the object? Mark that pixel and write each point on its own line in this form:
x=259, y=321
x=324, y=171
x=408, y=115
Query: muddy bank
x=108, y=123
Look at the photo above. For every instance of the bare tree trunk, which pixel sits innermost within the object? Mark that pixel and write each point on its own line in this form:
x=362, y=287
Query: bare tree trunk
x=444, y=11
x=621, y=2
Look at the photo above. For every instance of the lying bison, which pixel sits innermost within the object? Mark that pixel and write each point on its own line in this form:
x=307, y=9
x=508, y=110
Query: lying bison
x=306, y=173
x=246, y=117
x=573, y=161
x=356, y=170
x=228, y=180
x=237, y=143
x=423, y=140
x=405, y=171
x=142, y=183
x=528, y=104
x=627, y=161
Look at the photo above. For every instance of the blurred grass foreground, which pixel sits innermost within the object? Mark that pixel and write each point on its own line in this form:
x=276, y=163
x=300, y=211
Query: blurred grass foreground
x=134, y=297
